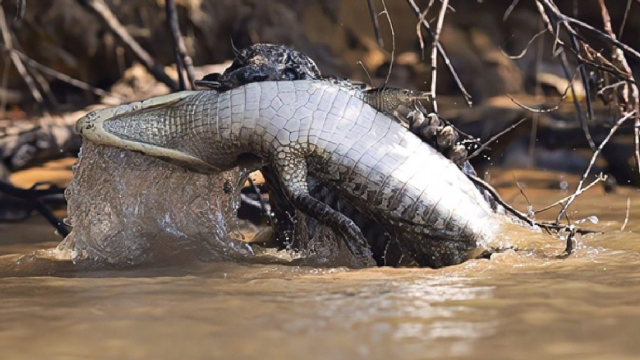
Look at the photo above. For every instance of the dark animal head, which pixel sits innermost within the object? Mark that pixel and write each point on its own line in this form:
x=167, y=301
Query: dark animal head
x=265, y=62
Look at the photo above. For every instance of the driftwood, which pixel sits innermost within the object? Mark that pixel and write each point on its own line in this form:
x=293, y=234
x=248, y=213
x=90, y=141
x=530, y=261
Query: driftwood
x=25, y=201
x=24, y=142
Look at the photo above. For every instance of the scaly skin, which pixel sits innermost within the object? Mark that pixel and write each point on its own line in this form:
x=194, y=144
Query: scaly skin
x=314, y=128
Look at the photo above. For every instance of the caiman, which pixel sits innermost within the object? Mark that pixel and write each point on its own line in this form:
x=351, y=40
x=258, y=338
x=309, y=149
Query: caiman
x=322, y=129
x=274, y=62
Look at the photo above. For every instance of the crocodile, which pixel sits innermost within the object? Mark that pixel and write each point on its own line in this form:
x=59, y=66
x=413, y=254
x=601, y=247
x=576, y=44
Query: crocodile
x=272, y=62
x=327, y=131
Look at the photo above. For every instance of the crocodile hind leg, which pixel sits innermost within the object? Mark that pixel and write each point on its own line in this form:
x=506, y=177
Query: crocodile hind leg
x=293, y=176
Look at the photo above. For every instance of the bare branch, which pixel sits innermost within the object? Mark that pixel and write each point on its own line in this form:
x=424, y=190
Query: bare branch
x=593, y=160
x=624, y=19
x=563, y=96
x=422, y=18
x=509, y=10
x=494, y=138
x=524, y=52
x=375, y=23
x=99, y=8
x=626, y=217
x=630, y=94
x=434, y=54
x=393, y=41
x=562, y=201
x=366, y=72
x=60, y=76
x=626, y=48
x=182, y=58
x=426, y=26
x=8, y=43
x=518, y=214
x=576, y=103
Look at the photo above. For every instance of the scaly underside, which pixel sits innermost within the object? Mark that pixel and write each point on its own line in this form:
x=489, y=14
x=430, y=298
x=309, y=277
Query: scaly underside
x=317, y=128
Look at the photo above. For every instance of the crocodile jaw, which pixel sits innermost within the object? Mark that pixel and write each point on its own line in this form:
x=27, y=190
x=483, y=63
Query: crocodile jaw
x=91, y=127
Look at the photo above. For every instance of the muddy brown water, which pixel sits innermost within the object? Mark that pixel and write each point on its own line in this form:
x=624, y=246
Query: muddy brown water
x=526, y=304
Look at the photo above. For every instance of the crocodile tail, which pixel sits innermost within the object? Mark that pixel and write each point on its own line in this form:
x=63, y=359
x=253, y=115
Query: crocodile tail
x=98, y=127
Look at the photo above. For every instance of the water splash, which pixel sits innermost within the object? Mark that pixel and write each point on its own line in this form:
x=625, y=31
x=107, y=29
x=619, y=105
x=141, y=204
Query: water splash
x=130, y=209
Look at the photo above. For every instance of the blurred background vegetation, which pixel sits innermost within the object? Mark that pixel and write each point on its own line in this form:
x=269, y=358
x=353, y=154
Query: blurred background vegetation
x=485, y=41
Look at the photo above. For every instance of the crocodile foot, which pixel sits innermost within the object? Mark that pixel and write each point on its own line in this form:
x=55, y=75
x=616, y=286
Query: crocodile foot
x=293, y=178
x=436, y=133
x=263, y=62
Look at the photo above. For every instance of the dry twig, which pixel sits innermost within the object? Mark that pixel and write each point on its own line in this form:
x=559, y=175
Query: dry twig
x=8, y=44
x=375, y=23
x=630, y=96
x=434, y=54
x=518, y=214
x=626, y=217
x=524, y=52
x=510, y=9
x=60, y=76
x=583, y=124
x=554, y=19
x=562, y=201
x=393, y=42
x=593, y=160
x=566, y=20
x=33, y=198
x=427, y=27
x=183, y=60
x=494, y=138
x=99, y=8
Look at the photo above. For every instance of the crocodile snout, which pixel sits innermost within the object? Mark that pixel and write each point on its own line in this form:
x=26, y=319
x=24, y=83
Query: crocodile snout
x=87, y=122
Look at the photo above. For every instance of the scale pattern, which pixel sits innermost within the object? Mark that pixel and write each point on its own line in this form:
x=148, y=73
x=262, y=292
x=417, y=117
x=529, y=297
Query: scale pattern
x=313, y=128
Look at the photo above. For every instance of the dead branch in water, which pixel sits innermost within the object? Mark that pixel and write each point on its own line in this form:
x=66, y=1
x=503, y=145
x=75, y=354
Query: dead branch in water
x=33, y=198
x=183, y=60
x=520, y=215
x=626, y=217
x=593, y=160
x=562, y=201
x=569, y=248
x=99, y=8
